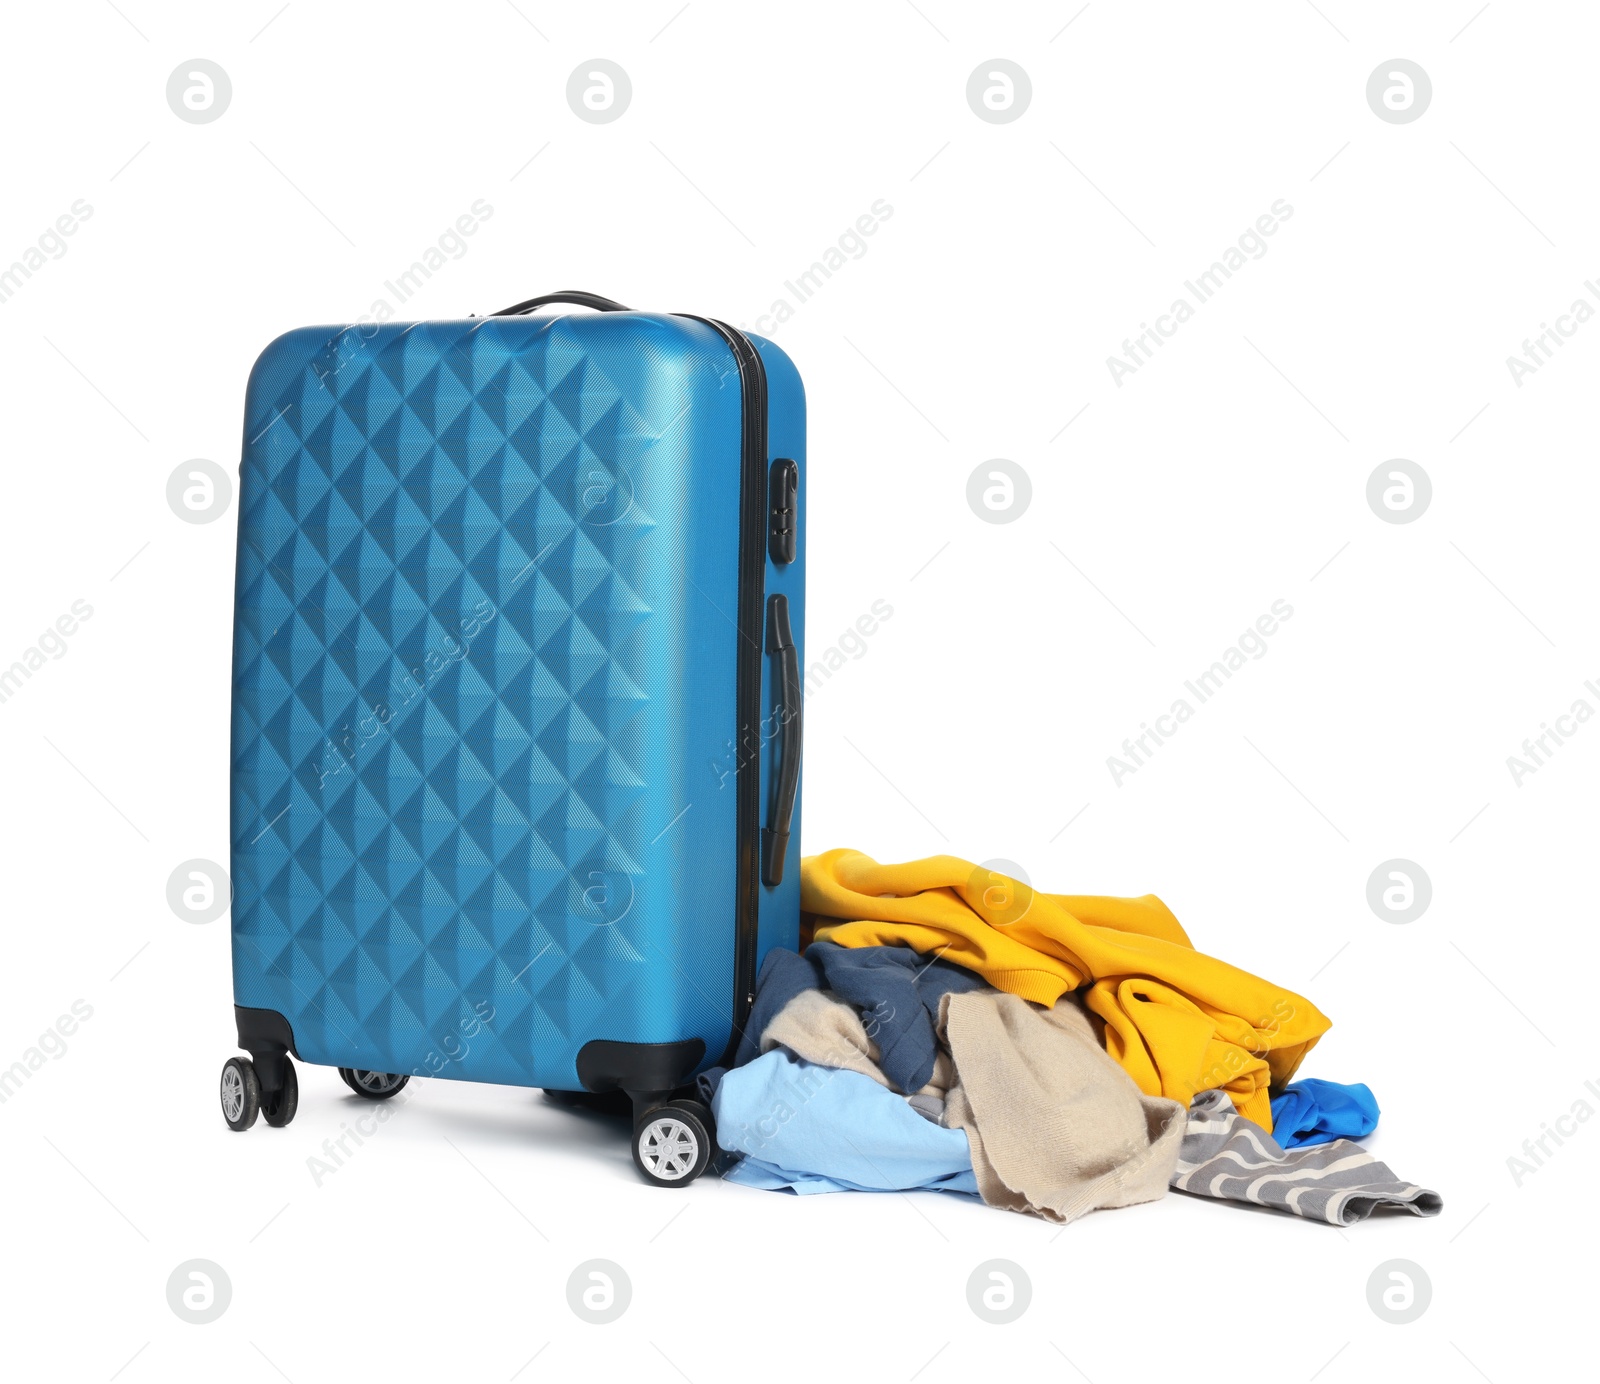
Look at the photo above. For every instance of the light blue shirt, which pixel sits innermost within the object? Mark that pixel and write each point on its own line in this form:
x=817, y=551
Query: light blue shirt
x=811, y=1129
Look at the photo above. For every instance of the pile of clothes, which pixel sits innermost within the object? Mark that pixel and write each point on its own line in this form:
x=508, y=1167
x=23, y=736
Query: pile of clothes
x=949, y=1028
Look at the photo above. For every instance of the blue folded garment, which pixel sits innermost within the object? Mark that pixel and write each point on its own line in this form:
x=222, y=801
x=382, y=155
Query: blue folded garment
x=821, y=1129
x=894, y=989
x=1316, y=1112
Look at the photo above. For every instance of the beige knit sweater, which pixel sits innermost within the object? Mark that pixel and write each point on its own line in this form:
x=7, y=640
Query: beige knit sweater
x=1056, y=1127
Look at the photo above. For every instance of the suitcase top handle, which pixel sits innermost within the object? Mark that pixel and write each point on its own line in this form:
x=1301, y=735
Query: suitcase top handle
x=581, y=299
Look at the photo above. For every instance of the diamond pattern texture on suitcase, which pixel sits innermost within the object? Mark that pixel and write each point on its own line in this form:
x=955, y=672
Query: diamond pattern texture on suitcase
x=454, y=756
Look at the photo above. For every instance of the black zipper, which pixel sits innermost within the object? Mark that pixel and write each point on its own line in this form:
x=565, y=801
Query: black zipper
x=747, y=695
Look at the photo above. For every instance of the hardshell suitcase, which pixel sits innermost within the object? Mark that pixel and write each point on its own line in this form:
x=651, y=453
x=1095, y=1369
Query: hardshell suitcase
x=516, y=706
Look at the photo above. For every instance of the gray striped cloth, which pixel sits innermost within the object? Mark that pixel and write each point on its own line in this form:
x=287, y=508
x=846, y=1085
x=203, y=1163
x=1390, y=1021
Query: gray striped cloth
x=1231, y=1158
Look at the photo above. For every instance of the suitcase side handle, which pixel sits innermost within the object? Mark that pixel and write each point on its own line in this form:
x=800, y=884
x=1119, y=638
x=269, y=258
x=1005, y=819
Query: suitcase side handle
x=775, y=836
x=576, y=296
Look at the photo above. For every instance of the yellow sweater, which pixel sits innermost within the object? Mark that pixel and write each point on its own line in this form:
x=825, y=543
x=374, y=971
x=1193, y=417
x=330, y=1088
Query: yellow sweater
x=1179, y=1022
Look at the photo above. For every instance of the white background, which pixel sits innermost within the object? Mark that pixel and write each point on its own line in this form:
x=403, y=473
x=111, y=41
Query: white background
x=1170, y=514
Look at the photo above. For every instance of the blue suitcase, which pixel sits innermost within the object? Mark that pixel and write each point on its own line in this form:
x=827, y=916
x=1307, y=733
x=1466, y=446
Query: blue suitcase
x=516, y=707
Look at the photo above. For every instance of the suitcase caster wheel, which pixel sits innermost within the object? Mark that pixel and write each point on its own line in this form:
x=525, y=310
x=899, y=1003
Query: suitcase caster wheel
x=280, y=1107
x=673, y=1144
x=373, y=1085
x=241, y=1093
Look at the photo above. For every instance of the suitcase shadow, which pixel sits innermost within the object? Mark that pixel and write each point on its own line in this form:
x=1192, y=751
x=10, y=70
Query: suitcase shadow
x=578, y=1122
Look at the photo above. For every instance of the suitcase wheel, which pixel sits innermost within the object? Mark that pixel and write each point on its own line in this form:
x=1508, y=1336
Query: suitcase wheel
x=673, y=1143
x=279, y=1107
x=240, y=1092
x=243, y=1099
x=373, y=1085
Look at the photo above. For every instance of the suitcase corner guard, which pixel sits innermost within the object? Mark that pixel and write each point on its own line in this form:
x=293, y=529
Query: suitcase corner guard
x=638, y=1068
x=267, y=1036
